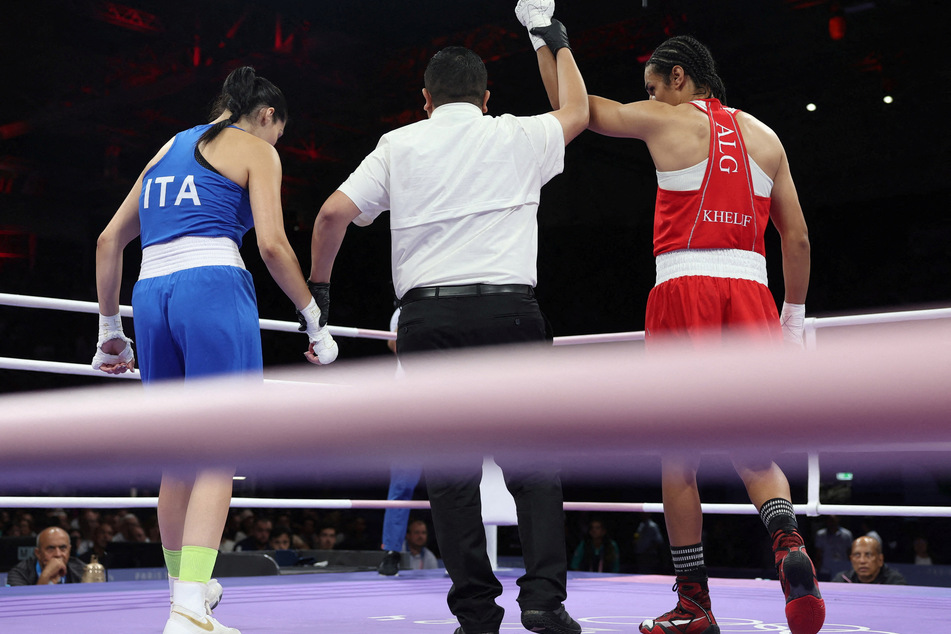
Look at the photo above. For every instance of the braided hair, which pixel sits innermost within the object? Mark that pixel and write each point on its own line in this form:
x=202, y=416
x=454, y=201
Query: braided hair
x=243, y=93
x=696, y=60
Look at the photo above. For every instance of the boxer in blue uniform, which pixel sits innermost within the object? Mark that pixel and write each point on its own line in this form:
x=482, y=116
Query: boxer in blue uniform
x=195, y=308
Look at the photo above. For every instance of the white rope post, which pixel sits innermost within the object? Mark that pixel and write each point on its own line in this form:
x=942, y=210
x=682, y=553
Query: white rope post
x=812, y=485
x=809, y=332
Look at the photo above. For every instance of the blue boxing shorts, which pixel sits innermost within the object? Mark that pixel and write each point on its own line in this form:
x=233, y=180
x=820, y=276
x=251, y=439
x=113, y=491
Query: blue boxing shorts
x=197, y=322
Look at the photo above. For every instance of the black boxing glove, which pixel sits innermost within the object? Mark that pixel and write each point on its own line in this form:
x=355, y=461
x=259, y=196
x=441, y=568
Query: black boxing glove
x=321, y=294
x=555, y=36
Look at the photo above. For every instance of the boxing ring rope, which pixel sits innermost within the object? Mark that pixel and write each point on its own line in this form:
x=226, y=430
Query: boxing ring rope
x=913, y=361
x=78, y=502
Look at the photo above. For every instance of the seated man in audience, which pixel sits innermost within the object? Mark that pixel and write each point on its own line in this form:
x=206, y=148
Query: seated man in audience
x=416, y=537
x=260, y=537
x=50, y=563
x=326, y=538
x=868, y=565
x=102, y=538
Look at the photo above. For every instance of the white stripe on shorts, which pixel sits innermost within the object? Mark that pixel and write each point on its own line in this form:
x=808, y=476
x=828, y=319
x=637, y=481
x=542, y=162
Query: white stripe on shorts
x=188, y=252
x=732, y=263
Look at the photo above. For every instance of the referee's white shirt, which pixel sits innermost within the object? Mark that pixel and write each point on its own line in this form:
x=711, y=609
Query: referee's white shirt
x=462, y=189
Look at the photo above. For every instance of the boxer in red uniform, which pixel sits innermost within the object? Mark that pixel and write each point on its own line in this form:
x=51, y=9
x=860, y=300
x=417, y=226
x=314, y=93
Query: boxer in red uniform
x=722, y=174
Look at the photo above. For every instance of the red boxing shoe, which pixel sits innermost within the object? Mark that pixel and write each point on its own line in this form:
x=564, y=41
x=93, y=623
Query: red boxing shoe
x=805, y=609
x=691, y=615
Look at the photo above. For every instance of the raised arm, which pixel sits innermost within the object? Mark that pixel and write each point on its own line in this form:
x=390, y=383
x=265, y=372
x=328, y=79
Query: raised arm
x=572, y=112
x=563, y=81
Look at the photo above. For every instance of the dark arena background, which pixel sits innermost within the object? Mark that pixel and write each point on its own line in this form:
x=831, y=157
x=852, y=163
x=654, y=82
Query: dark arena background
x=858, y=91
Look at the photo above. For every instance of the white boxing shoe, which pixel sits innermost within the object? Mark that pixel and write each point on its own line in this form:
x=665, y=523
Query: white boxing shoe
x=191, y=613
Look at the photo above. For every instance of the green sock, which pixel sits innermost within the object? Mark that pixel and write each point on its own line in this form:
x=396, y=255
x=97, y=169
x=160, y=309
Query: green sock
x=173, y=561
x=198, y=563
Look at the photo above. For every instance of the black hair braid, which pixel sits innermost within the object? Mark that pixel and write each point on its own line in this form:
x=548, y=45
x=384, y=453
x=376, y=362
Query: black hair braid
x=696, y=60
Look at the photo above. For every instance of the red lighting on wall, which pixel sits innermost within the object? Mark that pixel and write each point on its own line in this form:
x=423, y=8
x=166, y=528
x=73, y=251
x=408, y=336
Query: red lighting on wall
x=17, y=244
x=129, y=18
x=837, y=27
x=836, y=22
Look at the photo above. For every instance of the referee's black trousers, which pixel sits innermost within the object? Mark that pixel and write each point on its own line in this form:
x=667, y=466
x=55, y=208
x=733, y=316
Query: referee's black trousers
x=459, y=322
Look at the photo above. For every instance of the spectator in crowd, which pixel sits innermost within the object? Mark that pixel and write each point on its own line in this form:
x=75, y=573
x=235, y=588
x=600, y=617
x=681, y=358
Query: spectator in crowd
x=129, y=529
x=87, y=523
x=23, y=525
x=57, y=517
x=922, y=556
x=50, y=564
x=356, y=537
x=326, y=537
x=832, y=546
x=597, y=552
x=260, y=536
x=230, y=532
x=417, y=535
x=649, y=547
x=245, y=525
x=102, y=539
x=868, y=565
x=307, y=531
x=281, y=538
x=865, y=528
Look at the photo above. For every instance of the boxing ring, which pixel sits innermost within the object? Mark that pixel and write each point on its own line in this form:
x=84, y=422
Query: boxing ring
x=868, y=385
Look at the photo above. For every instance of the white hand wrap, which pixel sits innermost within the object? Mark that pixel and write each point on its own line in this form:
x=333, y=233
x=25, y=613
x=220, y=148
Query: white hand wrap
x=532, y=13
x=111, y=328
x=792, y=319
x=324, y=345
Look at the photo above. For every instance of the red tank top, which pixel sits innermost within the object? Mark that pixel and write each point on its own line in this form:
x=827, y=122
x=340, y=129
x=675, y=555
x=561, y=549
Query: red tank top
x=724, y=213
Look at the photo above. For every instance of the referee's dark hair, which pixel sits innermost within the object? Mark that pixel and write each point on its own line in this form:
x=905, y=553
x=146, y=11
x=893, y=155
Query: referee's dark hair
x=456, y=74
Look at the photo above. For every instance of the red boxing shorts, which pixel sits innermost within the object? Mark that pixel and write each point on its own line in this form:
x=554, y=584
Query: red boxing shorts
x=703, y=312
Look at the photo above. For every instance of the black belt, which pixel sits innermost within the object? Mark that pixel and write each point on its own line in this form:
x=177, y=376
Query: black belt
x=469, y=290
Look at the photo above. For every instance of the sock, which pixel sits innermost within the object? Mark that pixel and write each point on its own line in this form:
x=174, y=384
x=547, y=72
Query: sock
x=688, y=560
x=198, y=563
x=777, y=514
x=173, y=561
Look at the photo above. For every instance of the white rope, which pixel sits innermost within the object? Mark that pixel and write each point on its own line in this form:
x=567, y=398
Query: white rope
x=811, y=324
x=883, y=318
x=56, y=367
x=59, y=502
x=30, y=301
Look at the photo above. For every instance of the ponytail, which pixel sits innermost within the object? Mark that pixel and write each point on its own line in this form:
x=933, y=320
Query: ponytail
x=243, y=93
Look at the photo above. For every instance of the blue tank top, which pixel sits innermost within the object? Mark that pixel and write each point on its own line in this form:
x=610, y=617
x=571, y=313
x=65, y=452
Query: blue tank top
x=180, y=197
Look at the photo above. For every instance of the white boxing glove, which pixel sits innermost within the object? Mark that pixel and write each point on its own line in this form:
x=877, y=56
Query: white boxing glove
x=533, y=13
x=324, y=346
x=792, y=319
x=111, y=328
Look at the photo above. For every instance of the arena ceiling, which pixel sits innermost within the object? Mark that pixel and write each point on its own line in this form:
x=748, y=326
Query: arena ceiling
x=93, y=87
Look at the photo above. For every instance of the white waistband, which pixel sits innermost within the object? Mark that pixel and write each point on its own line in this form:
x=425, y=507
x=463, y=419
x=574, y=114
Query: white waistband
x=735, y=263
x=188, y=252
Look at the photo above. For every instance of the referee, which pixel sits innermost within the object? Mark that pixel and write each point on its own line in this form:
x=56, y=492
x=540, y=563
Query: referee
x=463, y=190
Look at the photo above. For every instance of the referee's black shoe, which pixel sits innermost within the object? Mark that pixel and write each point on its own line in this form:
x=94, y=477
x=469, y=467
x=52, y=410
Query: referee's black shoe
x=390, y=566
x=556, y=621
